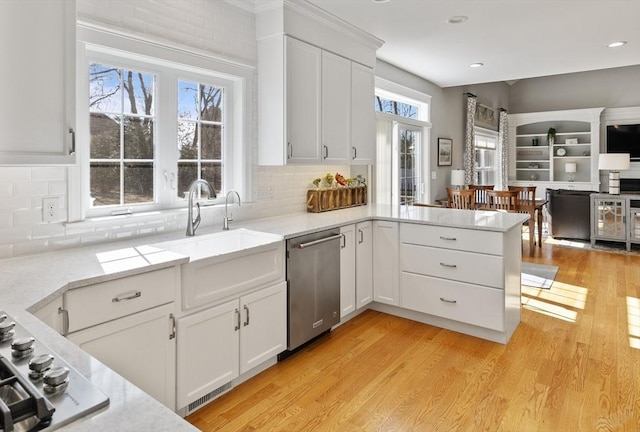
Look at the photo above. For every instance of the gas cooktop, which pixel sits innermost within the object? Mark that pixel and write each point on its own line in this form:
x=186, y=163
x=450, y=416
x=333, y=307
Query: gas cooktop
x=38, y=390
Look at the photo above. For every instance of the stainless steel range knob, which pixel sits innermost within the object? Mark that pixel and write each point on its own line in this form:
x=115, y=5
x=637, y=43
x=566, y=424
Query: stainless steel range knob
x=56, y=380
x=22, y=347
x=39, y=365
x=6, y=329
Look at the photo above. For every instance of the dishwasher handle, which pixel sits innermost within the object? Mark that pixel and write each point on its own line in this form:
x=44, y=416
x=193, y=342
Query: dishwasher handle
x=319, y=241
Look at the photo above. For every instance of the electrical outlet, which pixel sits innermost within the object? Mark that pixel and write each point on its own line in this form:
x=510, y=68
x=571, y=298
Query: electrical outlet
x=50, y=209
x=433, y=175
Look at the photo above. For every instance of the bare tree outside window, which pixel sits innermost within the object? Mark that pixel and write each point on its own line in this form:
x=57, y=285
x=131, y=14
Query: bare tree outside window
x=396, y=108
x=200, y=135
x=122, y=119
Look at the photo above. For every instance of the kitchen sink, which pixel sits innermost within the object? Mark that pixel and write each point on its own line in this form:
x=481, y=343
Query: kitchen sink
x=220, y=243
x=227, y=264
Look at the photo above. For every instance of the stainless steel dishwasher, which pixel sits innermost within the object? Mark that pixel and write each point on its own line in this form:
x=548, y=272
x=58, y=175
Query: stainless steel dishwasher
x=313, y=279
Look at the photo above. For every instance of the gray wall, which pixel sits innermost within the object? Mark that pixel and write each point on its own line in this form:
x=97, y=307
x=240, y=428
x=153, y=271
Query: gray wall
x=609, y=88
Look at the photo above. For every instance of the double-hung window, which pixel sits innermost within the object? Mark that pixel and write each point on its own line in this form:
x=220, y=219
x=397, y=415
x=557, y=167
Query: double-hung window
x=153, y=125
x=485, y=158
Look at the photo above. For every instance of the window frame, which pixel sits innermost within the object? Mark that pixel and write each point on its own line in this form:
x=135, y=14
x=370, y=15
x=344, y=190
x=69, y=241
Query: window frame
x=493, y=136
x=106, y=46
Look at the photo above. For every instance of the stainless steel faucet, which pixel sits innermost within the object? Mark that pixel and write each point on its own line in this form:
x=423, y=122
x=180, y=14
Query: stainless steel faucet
x=192, y=224
x=226, y=220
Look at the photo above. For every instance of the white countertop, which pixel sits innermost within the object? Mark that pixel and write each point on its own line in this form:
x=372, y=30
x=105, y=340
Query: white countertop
x=28, y=283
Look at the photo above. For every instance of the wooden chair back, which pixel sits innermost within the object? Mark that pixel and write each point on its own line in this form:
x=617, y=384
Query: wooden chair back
x=502, y=200
x=526, y=195
x=481, y=193
x=462, y=198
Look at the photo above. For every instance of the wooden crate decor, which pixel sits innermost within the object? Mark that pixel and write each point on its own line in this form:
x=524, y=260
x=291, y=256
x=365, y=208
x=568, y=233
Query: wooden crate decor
x=335, y=198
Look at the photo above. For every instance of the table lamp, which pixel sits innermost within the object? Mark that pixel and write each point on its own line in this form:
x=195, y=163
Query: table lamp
x=457, y=178
x=614, y=163
x=570, y=168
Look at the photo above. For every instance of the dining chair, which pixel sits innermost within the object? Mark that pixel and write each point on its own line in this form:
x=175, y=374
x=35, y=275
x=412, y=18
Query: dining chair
x=527, y=204
x=481, y=193
x=461, y=198
x=502, y=200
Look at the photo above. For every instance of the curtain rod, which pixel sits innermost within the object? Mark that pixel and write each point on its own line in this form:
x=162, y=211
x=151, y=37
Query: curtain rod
x=470, y=94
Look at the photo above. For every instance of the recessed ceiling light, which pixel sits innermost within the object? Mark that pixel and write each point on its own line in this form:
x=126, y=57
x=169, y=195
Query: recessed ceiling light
x=458, y=19
x=381, y=1
x=616, y=44
x=476, y=65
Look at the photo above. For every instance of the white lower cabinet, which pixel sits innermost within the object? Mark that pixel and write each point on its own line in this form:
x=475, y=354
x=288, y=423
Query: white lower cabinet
x=140, y=347
x=220, y=343
x=386, y=287
x=129, y=325
x=347, y=270
x=364, y=264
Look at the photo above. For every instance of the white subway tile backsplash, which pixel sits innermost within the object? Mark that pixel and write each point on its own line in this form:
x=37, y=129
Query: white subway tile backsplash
x=6, y=220
x=47, y=230
x=30, y=217
x=15, y=203
x=31, y=188
x=49, y=174
x=16, y=234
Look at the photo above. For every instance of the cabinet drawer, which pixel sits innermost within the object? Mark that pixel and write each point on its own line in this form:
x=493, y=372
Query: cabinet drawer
x=452, y=264
x=452, y=238
x=457, y=301
x=106, y=301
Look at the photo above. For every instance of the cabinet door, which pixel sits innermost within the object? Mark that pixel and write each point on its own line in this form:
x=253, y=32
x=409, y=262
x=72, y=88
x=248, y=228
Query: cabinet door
x=208, y=350
x=51, y=315
x=303, y=101
x=363, y=137
x=37, y=81
x=386, y=288
x=336, y=108
x=347, y=270
x=264, y=326
x=364, y=263
x=140, y=347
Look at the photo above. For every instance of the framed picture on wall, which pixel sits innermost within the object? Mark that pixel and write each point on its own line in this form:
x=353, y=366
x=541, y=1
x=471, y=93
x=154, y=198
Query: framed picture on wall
x=444, y=151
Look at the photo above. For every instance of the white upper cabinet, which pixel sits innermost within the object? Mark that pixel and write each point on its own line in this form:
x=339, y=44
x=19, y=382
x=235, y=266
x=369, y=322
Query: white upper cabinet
x=363, y=135
x=336, y=108
x=303, y=101
x=315, y=87
x=37, y=82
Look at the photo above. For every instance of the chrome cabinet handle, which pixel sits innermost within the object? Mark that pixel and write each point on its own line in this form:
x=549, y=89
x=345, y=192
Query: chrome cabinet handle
x=344, y=241
x=447, y=300
x=326, y=151
x=448, y=238
x=127, y=297
x=315, y=242
x=355, y=152
x=237, y=320
x=65, y=320
x=73, y=141
x=289, y=150
x=361, y=236
x=448, y=265
x=172, y=335
x=246, y=308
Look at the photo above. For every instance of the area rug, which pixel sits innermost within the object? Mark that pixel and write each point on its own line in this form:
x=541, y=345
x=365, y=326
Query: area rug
x=538, y=275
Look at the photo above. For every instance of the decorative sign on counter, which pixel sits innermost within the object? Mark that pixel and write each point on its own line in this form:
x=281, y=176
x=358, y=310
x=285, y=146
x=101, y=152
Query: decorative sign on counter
x=345, y=193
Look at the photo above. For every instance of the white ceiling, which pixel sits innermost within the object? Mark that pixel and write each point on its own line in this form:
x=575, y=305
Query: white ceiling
x=514, y=39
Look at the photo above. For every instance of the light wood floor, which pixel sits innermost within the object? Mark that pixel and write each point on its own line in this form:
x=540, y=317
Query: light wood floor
x=573, y=364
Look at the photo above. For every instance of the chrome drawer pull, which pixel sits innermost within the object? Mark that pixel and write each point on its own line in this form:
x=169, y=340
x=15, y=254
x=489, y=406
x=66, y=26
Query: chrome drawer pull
x=448, y=238
x=129, y=297
x=448, y=265
x=448, y=301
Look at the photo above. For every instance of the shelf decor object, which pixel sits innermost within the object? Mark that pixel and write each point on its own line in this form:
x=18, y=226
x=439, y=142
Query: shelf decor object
x=551, y=136
x=570, y=168
x=457, y=178
x=614, y=163
x=561, y=151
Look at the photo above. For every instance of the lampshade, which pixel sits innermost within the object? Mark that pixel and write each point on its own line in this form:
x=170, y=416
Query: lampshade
x=614, y=161
x=570, y=167
x=457, y=177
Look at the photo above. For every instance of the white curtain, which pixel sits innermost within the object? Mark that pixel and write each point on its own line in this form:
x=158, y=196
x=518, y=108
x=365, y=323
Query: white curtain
x=384, y=161
x=469, y=142
x=502, y=176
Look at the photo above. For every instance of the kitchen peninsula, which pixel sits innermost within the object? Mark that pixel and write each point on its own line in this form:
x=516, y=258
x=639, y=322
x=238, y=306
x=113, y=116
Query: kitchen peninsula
x=28, y=284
